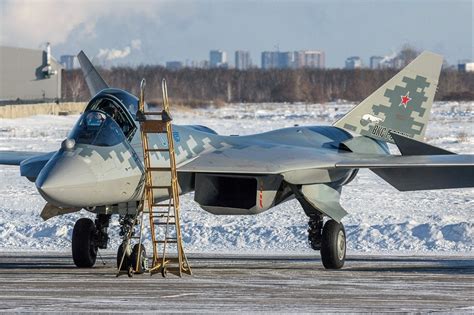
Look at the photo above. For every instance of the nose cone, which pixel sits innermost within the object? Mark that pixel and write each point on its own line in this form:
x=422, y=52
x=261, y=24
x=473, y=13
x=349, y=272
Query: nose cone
x=66, y=180
x=90, y=176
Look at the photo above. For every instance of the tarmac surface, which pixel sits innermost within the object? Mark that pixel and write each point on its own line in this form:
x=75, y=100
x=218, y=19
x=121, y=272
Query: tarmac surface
x=49, y=282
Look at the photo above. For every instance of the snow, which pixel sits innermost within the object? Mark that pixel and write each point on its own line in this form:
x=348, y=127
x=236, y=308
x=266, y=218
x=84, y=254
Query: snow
x=381, y=219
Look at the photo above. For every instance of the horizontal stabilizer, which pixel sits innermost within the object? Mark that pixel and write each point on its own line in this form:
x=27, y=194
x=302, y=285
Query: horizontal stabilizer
x=416, y=161
x=409, y=146
x=419, y=172
x=408, y=179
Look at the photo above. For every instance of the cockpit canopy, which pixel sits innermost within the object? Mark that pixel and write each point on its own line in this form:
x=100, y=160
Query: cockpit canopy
x=118, y=105
x=97, y=128
x=107, y=120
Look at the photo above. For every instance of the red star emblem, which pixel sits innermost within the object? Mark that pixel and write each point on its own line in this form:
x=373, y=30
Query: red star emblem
x=405, y=100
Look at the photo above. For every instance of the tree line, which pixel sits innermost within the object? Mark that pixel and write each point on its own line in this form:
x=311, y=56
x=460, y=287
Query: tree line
x=197, y=87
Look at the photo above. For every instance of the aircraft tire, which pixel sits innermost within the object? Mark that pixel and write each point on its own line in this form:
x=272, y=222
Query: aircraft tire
x=143, y=264
x=84, y=248
x=333, y=245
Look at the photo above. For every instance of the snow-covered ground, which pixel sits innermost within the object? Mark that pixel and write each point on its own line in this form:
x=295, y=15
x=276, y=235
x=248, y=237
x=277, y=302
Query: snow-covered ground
x=381, y=219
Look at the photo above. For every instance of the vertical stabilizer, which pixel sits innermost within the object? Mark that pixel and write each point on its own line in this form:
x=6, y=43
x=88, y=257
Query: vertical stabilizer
x=94, y=81
x=402, y=105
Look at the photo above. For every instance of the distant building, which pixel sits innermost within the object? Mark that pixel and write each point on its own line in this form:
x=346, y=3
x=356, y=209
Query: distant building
x=277, y=60
x=309, y=59
x=396, y=63
x=174, y=65
x=217, y=59
x=466, y=67
x=270, y=59
x=29, y=74
x=285, y=60
x=353, y=63
x=69, y=62
x=242, y=60
x=376, y=62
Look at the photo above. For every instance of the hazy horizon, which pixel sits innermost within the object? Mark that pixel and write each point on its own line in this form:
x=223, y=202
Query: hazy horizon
x=153, y=32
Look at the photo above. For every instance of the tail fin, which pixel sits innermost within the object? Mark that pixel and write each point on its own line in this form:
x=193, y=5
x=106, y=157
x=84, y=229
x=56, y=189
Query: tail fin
x=94, y=81
x=402, y=105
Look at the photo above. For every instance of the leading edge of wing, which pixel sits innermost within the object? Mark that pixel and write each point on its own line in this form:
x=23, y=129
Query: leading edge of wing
x=16, y=157
x=418, y=161
x=260, y=160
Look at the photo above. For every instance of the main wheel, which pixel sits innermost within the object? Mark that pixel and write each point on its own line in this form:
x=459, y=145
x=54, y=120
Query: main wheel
x=84, y=248
x=143, y=261
x=333, y=245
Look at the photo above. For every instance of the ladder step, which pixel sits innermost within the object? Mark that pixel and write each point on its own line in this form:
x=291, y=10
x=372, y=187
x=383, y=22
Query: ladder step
x=158, y=187
x=162, y=205
x=158, y=150
x=173, y=241
x=163, y=215
x=153, y=126
x=164, y=223
x=158, y=169
x=153, y=113
x=162, y=212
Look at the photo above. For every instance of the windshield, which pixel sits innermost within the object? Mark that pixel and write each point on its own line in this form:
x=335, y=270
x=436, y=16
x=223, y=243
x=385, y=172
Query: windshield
x=97, y=128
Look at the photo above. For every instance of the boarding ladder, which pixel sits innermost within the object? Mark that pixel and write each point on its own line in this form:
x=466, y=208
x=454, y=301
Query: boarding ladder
x=165, y=228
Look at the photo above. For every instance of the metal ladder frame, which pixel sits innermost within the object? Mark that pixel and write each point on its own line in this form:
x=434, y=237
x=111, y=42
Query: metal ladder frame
x=158, y=127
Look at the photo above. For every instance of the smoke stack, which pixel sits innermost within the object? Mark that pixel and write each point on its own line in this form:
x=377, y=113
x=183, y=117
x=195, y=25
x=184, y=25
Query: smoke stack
x=48, y=70
x=48, y=54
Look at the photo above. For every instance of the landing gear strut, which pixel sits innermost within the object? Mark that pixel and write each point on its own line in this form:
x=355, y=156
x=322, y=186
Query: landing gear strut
x=315, y=231
x=87, y=238
x=126, y=225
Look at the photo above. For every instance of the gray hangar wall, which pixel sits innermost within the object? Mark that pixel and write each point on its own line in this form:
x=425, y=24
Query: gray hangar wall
x=24, y=75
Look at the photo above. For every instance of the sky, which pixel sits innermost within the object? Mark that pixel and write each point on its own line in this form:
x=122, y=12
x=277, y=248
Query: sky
x=120, y=32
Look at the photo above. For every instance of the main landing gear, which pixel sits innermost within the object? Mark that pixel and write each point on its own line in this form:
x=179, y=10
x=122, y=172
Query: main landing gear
x=329, y=239
x=87, y=237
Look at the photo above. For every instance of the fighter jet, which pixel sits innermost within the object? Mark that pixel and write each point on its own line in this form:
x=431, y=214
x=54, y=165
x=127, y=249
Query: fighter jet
x=99, y=167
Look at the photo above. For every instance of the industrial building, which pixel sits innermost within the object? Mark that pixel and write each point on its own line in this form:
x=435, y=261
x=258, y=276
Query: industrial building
x=29, y=74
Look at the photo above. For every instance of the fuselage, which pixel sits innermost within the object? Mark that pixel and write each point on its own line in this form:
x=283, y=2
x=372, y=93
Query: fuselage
x=101, y=161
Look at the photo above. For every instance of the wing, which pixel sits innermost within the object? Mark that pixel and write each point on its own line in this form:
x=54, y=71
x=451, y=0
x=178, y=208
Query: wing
x=307, y=166
x=16, y=157
x=31, y=163
x=272, y=159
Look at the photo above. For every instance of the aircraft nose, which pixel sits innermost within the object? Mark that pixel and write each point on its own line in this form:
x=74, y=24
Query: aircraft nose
x=66, y=180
